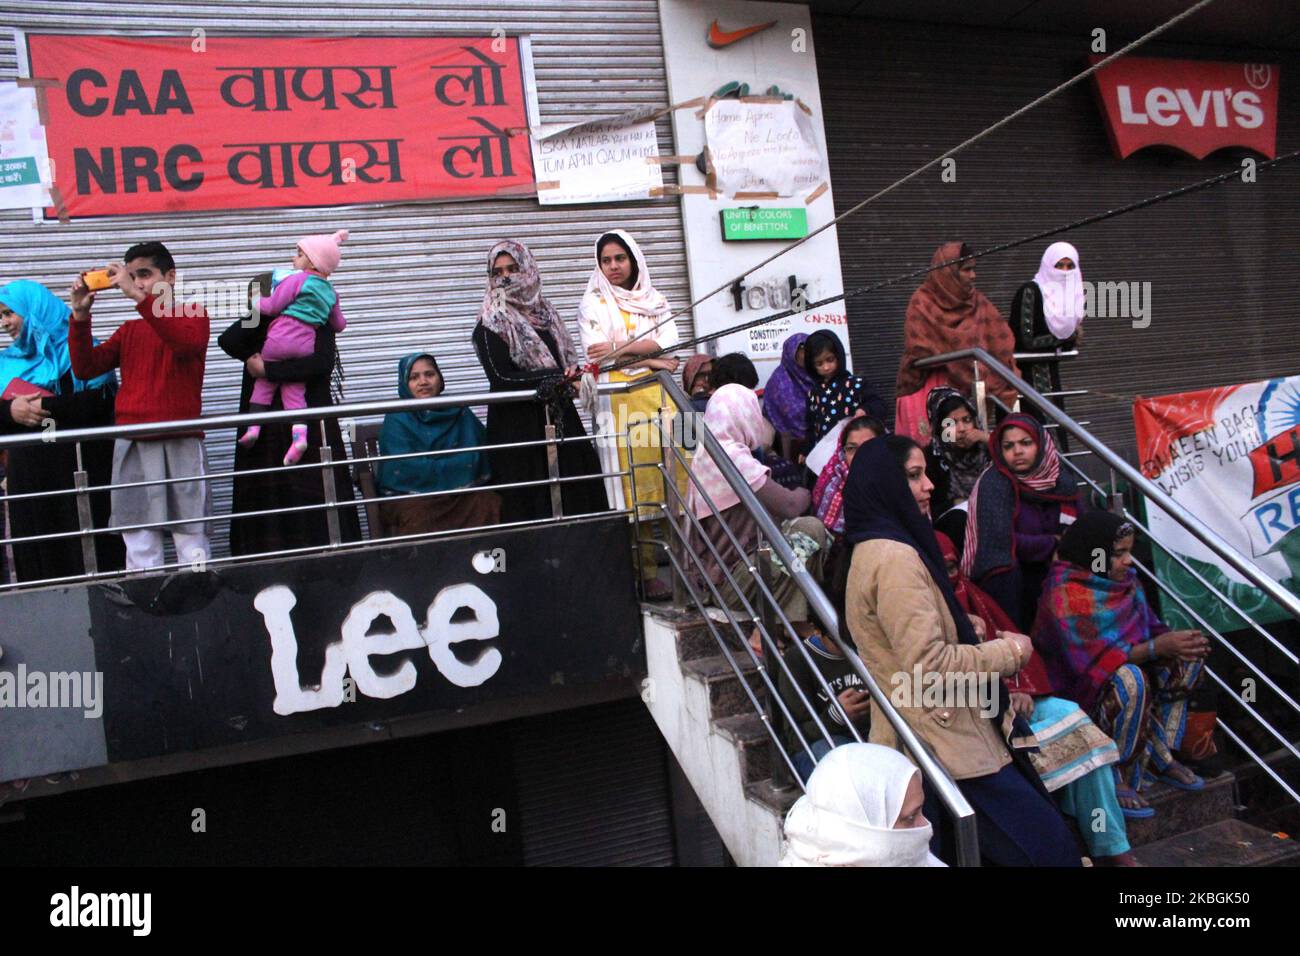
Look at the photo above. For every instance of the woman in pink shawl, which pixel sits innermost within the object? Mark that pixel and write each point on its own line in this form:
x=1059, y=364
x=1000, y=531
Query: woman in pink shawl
x=736, y=421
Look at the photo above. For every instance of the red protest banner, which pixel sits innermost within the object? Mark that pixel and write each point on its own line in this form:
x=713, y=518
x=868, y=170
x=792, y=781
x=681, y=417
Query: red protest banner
x=173, y=124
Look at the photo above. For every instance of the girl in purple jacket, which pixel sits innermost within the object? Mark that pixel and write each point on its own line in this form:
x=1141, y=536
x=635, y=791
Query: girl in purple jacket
x=301, y=303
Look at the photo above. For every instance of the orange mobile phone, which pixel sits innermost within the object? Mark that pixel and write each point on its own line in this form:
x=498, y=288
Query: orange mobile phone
x=97, y=279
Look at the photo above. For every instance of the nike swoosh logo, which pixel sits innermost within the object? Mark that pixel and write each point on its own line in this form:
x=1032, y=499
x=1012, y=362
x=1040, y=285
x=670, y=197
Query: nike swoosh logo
x=718, y=38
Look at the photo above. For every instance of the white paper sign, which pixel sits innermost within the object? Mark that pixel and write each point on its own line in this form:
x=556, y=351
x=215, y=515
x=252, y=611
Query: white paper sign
x=599, y=162
x=763, y=147
x=24, y=161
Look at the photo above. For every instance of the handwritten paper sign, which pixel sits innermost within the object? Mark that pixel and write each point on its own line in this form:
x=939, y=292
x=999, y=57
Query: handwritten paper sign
x=596, y=162
x=24, y=163
x=763, y=148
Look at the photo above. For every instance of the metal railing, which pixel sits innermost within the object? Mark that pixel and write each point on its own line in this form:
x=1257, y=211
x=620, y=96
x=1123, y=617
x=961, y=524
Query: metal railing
x=1119, y=468
x=690, y=549
x=332, y=501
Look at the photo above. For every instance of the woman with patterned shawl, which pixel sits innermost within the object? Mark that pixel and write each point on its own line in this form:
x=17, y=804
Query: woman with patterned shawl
x=1073, y=754
x=1016, y=514
x=1107, y=651
x=522, y=343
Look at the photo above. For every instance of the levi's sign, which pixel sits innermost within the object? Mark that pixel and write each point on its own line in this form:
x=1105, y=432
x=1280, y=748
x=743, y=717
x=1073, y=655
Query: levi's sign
x=754, y=223
x=1193, y=105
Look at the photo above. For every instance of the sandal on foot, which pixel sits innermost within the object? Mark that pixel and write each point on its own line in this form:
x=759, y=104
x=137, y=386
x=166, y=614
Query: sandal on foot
x=1143, y=812
x=1178, y=776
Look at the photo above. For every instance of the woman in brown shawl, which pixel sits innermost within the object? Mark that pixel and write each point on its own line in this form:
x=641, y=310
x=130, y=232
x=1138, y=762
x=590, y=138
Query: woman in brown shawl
x=947, y=314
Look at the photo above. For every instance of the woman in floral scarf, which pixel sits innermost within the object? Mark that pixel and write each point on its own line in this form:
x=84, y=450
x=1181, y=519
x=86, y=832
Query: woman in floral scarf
x=522, y=343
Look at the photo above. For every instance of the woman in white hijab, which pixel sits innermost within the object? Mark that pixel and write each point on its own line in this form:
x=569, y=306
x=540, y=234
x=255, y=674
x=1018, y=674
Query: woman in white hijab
x=1047, y=314
x=862, y=808
x=621, y=304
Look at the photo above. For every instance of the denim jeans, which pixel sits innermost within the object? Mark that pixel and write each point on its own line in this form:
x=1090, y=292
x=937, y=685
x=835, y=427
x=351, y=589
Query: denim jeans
x=803, y=764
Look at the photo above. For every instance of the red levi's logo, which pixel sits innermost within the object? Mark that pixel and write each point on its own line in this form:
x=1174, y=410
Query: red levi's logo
x=1194, y=105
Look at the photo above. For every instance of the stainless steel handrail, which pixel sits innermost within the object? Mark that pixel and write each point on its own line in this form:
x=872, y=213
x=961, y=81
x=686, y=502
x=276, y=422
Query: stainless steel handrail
x=951, y=797
x=1150, y=489
x=309, y=466
x=330, y=506
x=321, y=413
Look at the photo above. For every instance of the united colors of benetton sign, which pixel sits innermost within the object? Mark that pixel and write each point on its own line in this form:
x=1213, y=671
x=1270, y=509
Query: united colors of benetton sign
x=1193, y=105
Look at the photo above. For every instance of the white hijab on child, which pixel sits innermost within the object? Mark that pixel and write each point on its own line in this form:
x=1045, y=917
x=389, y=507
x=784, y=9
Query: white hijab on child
x=846, y=818
x=1063, y=298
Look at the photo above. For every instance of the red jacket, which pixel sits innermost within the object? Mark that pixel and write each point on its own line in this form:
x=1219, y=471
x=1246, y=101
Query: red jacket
x=161, y=358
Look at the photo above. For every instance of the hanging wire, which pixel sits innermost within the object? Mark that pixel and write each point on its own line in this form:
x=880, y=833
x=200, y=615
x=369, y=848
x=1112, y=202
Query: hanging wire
x=1001, y=247
x=1073, y=81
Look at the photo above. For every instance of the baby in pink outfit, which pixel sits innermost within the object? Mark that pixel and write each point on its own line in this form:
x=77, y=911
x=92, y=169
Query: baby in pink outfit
x=302, y=303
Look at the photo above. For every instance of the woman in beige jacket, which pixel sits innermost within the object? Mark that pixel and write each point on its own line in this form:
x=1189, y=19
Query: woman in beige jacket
x=922, y=649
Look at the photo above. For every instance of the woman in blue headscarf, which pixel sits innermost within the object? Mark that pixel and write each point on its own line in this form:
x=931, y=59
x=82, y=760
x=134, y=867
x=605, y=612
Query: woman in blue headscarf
x=38, y=392
x=432, y=430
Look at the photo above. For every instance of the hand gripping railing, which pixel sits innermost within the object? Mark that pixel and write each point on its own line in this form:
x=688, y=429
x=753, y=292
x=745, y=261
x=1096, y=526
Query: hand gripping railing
x=960, y=810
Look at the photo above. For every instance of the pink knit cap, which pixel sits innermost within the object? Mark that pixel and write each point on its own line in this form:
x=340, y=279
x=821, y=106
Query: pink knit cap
x=323, y=251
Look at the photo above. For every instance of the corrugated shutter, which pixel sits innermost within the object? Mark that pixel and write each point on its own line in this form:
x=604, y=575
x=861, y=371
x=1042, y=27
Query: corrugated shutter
x=897, y=95
x=413, y=275
x=592, y=788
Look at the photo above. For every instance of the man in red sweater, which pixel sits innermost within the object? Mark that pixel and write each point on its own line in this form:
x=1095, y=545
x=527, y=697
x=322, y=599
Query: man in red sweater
x=162, y=360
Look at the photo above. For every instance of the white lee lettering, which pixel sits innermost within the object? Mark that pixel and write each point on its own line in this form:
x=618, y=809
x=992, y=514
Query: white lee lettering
x=291, y=697
x=359, y=646
x=352, y=653
x=440, y=633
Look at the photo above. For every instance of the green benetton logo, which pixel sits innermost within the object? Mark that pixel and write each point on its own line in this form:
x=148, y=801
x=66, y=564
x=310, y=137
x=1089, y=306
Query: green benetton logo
x=753, y=223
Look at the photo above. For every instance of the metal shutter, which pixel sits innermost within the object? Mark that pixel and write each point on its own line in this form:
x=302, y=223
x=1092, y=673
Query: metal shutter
x=897, y=95
x=592, y=788
x=413, y=275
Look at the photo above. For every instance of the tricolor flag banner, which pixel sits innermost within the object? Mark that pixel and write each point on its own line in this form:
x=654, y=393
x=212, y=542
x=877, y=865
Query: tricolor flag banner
x=1230, y=456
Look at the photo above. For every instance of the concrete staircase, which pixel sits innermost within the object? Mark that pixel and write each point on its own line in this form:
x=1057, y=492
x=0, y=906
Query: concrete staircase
x=722, y=745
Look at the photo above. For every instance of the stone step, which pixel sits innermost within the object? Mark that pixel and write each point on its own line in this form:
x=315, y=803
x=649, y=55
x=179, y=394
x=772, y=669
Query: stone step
x=778, y=801
x=748, y=734
x=696, y=640
x=1181, y=811
x=727, y=696
x=1225, y=843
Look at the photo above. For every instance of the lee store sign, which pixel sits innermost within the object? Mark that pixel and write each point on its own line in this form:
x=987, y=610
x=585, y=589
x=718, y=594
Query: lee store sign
x=1197, y=106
